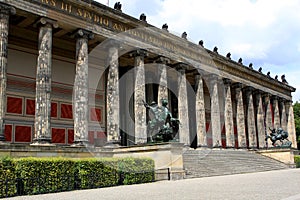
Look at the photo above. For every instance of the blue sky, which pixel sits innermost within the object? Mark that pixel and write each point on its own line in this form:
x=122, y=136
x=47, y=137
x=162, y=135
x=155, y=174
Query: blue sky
x=263, y=32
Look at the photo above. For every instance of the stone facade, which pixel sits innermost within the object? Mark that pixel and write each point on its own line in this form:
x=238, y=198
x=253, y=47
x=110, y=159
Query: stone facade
x=219, y=102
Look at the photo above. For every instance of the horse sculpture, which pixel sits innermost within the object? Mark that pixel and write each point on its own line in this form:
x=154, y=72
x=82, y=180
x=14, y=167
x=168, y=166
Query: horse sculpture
x=279, y=135
x=162, y=127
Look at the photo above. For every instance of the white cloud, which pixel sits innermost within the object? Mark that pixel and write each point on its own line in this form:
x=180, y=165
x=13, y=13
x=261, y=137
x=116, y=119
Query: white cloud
x=264, y=32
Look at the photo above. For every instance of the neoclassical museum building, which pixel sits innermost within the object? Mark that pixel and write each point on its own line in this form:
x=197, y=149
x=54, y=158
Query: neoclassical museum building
x=76, y=72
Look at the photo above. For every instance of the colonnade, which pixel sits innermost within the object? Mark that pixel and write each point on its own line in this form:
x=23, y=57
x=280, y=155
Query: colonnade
x=246, y=115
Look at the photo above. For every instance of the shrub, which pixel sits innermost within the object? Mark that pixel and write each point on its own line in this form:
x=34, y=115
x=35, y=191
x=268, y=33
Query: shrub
x=7, y=177
x=297, y=161
x=44, y=175
x=27, y=176
x=136, y=170
x=94, y=173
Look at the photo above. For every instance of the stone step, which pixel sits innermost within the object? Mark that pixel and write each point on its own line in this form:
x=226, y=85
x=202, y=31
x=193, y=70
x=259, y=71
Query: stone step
x=200, y=163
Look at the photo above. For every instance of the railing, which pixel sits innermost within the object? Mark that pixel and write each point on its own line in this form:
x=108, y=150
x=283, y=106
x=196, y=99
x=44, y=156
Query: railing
x=41, y=185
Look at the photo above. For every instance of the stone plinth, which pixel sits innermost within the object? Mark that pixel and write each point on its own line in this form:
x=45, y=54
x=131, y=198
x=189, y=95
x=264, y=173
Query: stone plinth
x=284, y=155
x=165, y=155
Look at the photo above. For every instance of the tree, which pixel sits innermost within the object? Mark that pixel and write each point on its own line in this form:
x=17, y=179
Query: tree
x=297, y=121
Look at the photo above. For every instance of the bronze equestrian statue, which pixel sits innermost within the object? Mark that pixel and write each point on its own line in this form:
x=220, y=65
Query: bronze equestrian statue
x=162, y=127
x=279, y=135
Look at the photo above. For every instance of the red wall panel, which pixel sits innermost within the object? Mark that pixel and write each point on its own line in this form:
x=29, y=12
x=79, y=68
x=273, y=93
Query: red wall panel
x=54, y=110
x=95, y=114
x=14, y=105
x=58, y=135
x=70, y=136
x=66, y=111
x=22, y=133
x=30, y=107
x=8, y=132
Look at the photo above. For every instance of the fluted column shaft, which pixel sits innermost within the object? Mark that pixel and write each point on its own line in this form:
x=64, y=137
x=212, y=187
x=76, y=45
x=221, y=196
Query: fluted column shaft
x=240, y=118
x=5, y=12
x=250, y=118
x=261, y=132
x=291, y=124
x=139, y=97
x=184, y=132
x=200, y=113
x=215, y=113
x=268, y=115
x=229, y=130
x=283, y=120
x=42, y=133
x=276, y=112
x=163, y=80
x=112, y=95
x=80, y=98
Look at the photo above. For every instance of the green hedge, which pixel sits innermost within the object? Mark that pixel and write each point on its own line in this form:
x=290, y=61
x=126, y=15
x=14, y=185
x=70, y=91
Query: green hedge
x=134, y=170
x=297, y=161
x=7, y=177
x=44, y=175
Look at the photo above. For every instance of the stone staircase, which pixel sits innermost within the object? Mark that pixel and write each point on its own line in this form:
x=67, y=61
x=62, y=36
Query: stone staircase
x=215, y=162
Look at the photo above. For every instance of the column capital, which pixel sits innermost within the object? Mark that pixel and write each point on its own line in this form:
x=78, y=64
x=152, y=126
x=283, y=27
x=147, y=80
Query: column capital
x=288, y=102
x=181, y=67
x=227, y=81
x=237, y=86
x=139, y=53
x=82, y=33
x=248, y=90
x=274, y=98
x=162, y=60
x=112, y=43
x=7, y=9
x=43, y=21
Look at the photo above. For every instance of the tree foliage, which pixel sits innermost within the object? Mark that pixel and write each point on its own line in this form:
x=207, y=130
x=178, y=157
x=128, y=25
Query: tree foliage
x=297, y=120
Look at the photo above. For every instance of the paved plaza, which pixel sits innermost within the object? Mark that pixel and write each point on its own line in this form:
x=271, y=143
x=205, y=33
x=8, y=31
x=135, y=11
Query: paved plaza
x=281, y=184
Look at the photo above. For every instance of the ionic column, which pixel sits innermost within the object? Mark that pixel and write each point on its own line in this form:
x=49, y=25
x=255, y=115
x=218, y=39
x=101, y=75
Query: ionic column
x=184, y=131
x=42, y=133
x=163, y=80
x=139, y=96
x=200, y=113
x=268, y=111
x=261, y=132
x=112, y=95
x=80, y=98
x=291, y=124
x=250, y=118
x=268, y=114
x=240, y=116
x=5, y=12
x=229, y=130
x=215, y=113
x=283, y=120
x=276, y=112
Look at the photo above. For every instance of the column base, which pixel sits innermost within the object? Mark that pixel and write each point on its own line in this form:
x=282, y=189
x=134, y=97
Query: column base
x=112, y=144
x=42, y=141
x=2, y=138
x=80, y=143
